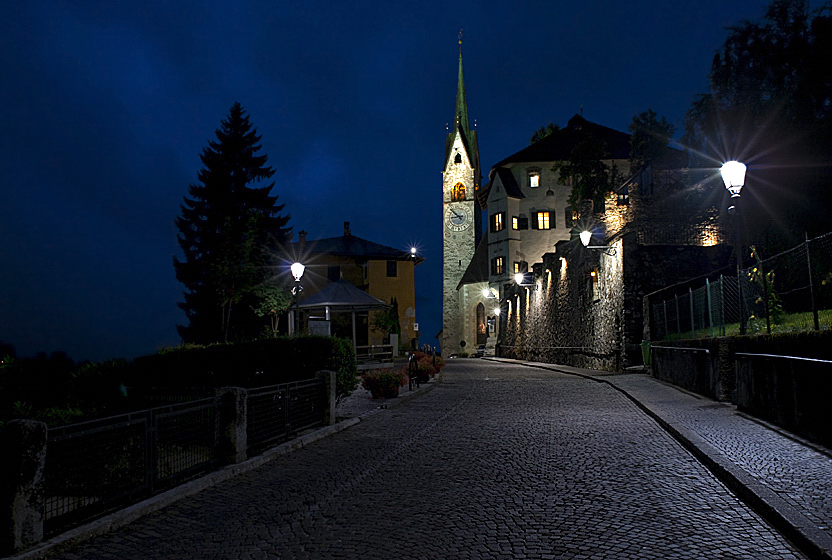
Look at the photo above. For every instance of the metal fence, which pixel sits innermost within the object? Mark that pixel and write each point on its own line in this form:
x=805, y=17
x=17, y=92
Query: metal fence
x=278, y=412
x=94, y=467
x=791, y=291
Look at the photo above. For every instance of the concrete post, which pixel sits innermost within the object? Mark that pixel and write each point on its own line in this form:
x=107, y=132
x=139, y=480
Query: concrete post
x=330, y=378
x=22, y=487
x=233, y=422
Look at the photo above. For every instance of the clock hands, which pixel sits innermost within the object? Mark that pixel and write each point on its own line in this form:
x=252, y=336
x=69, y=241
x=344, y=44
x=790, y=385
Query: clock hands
x=457, y=214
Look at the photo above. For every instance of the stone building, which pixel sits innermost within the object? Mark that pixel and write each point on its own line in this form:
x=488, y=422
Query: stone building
x=584, y=305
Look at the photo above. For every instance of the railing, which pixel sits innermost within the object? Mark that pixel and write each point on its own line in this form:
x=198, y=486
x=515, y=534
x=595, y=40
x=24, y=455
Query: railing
x=278, y=412
x=791, y=291
x=374, y=352
x=94, y=467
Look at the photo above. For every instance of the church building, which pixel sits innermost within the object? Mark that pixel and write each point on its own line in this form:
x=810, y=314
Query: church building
x=527, y=211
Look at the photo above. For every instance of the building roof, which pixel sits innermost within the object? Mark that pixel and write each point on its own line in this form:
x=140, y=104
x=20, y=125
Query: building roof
x=510, y=183
x=558, y=146
x=349, y=245
x=477, y=270
x=342, y=296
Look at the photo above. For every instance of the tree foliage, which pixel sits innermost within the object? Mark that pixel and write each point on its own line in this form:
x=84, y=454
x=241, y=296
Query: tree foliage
x=592, y=179
x=649, y=138
x=387, y=320
x=225, y=227
x=543, y=132
x=770, y=105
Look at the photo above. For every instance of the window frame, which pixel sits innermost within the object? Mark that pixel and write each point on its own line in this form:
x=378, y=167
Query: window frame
x=497, y=222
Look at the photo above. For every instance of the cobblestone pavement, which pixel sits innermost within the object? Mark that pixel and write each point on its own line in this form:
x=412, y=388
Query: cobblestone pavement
x=497, y=461
x=799, y=474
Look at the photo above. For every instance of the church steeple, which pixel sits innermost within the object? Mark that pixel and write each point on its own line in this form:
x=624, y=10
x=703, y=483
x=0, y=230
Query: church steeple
x=461, y=113
x=461, y=123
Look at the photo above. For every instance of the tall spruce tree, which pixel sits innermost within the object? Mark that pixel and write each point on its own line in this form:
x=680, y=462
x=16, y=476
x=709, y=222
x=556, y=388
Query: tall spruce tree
x=225, y=228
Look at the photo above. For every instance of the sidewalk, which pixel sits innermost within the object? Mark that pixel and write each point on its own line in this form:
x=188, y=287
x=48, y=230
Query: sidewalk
x=785, y=479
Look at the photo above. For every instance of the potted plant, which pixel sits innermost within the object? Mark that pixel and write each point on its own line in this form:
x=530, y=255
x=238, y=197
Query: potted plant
x=383, y=383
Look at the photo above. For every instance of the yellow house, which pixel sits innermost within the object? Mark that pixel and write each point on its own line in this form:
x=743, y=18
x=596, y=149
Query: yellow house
x=383, y=272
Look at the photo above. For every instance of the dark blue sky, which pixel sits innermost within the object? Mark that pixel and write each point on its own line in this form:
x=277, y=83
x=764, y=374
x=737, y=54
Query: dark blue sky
x=105, y=107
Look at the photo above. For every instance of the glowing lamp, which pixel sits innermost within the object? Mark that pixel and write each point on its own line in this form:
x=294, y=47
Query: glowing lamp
x=586, y=237
x=297, y=271
x=733, y=175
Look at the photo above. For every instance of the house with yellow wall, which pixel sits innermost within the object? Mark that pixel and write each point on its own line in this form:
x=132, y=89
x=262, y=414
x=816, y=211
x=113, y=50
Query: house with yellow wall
x=383, y=272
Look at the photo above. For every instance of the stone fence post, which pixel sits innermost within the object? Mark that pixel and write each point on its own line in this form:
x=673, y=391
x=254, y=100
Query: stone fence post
x=330, y=378
x=22, y=458
x=233, y=444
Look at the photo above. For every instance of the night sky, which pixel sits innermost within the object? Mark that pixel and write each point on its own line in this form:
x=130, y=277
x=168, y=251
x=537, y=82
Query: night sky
x=106, y=106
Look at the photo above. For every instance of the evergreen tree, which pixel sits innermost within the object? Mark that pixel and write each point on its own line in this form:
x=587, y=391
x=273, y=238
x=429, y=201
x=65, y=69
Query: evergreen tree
x=225, y=228
x=592, y=179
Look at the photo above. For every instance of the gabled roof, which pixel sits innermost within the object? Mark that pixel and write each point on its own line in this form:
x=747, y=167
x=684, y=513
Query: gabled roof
x=477, y=270
x=558, y=146
x=342, y=296
x=509, y=183
x=356, y=247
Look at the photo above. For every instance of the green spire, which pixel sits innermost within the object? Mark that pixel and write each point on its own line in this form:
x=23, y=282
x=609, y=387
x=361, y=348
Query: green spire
x=461, y=114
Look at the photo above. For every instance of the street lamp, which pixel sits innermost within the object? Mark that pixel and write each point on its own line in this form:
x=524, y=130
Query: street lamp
x=297, y=272
x=489, y=293
x=733, y=175
x=586, y=239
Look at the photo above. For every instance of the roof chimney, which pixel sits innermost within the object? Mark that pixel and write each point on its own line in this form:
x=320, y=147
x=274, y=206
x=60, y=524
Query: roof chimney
x=302, y=239
x=347, y=231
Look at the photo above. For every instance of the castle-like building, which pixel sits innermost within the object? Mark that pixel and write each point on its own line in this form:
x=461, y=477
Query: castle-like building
x=492, y=276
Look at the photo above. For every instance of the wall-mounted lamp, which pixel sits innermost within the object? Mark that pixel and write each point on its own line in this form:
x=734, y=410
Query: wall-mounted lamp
x=586, y=239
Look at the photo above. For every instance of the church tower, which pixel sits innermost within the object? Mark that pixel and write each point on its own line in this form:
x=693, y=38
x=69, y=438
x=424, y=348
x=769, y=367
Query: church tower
x=461, y=218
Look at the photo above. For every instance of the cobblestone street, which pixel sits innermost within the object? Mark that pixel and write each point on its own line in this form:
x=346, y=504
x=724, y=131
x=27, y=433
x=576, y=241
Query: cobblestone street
x=497, y=461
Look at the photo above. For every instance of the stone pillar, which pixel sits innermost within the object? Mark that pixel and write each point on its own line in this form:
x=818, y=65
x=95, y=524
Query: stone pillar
x=330, y=378
x=233, y=424
x=23, y=445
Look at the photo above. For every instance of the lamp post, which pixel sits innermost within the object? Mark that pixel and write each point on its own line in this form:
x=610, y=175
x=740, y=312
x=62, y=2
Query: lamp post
x=297, y=272
x=733, y=175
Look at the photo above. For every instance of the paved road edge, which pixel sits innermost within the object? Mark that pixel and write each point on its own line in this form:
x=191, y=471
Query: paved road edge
x=768, y=504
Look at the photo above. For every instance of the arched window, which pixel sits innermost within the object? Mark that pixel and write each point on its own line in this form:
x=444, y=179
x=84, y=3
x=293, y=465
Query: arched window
x=458, y=158
x=458, y=193
x=482, y=333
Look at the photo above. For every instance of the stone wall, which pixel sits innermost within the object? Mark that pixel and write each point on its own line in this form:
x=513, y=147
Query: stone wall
x=561, y=320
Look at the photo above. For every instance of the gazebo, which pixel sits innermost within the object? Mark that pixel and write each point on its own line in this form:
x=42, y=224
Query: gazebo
x=342, y=296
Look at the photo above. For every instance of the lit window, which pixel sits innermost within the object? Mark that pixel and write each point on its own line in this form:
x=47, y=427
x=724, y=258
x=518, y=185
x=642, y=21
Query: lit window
x=521, y=267
x=498, y=221
x=541, y=220
x=595, y=284
x=498, y=266
x=458, y=193
x=534, y=178
x=515, y=222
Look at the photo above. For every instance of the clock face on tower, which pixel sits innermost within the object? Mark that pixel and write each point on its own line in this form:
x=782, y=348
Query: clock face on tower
x=459, y=218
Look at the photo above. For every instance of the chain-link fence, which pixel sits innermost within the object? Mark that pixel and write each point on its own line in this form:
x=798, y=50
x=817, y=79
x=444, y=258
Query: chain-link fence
x=791, y=291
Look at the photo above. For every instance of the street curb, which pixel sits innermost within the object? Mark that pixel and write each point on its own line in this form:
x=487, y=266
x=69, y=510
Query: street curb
x=129, y=514
x=813, y=542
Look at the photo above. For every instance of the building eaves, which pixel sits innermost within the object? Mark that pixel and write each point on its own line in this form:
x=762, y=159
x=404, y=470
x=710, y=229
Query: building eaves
x=477, y=270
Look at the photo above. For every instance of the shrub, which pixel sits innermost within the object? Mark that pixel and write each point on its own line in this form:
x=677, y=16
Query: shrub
x=383, y=383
